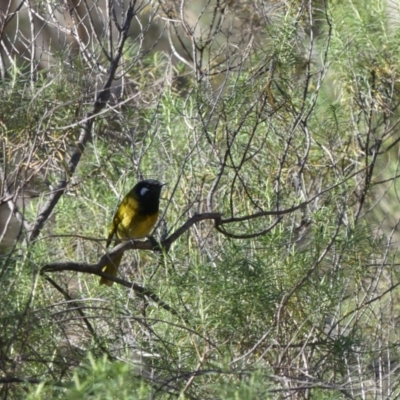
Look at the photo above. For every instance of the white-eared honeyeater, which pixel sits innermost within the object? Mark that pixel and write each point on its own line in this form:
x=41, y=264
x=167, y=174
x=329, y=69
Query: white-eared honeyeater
x=135, y=218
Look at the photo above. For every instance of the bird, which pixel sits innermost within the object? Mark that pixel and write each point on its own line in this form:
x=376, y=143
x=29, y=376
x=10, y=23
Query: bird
x=135, y=218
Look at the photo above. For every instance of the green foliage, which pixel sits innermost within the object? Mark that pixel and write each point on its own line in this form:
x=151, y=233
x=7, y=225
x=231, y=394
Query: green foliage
x=104, y=380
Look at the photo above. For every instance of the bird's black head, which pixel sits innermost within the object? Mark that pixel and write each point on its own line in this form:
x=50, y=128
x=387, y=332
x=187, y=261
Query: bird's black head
x=148, y=192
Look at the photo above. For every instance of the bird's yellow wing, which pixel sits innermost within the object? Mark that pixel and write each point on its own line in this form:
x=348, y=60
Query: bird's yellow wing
x=113, y=228
x=125, y=212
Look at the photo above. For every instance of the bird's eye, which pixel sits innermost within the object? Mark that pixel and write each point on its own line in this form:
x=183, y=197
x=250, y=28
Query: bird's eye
x=143, y=191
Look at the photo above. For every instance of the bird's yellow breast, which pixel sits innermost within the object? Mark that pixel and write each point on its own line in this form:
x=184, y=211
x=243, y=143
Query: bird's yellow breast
x=131, y=224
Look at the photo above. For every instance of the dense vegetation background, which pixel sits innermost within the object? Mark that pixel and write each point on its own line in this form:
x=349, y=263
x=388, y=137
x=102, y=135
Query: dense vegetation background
x=275, y=125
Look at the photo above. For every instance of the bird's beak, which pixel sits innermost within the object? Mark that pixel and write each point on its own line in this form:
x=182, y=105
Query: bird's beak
x=162, y=184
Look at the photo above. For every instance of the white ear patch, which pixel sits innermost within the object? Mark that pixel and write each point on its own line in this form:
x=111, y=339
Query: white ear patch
x=143, y=191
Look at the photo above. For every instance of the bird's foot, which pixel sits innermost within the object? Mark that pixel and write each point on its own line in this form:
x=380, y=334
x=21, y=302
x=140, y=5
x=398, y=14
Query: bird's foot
x=155, y=244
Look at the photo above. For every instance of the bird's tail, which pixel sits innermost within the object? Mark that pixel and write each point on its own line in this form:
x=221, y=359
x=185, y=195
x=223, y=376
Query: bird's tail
x=111, y=269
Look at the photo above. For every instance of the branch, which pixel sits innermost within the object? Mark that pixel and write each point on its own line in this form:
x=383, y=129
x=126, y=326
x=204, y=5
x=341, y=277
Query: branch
x=96, y=269
x=166, y=244
x=191, y=221
x=14, y=379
